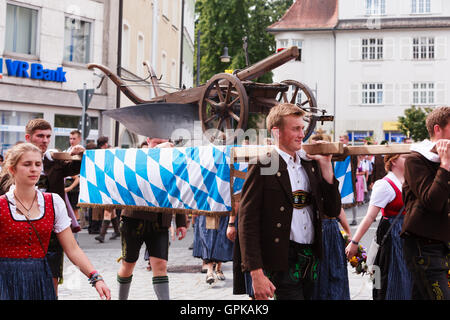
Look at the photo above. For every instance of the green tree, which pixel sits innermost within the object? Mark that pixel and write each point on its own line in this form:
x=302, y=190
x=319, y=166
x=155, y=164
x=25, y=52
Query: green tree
x=413, y=123
x=225, y=22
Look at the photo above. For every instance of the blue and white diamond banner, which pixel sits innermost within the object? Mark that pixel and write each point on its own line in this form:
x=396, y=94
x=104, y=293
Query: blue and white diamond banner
x=343, y=173
x=181, y=179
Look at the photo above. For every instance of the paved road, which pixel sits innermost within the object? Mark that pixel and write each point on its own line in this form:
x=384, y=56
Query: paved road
x=186, y=281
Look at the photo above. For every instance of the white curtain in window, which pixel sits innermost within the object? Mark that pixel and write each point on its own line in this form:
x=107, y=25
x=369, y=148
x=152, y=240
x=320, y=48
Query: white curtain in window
x=21, y=25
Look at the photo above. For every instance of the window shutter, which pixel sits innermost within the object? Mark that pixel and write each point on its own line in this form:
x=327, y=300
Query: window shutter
x=406, y=48
x=354, y=49
x=436, y=6
x=440, y=48
x=389, y=98
x=388, y=48
x=405, y=94
x=355, y=94
x=441, y=93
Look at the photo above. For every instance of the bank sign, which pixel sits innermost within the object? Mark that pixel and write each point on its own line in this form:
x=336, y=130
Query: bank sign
x=23, y=69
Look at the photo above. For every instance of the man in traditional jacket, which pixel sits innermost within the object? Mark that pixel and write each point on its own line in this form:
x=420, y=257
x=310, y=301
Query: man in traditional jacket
x=280, y=208
x=426, y=191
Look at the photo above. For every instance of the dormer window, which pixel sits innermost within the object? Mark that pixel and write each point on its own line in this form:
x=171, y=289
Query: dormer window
x=375, y=7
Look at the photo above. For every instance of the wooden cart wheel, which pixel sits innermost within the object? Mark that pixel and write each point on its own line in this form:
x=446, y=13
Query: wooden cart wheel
x=223, y=106
x=303, y=96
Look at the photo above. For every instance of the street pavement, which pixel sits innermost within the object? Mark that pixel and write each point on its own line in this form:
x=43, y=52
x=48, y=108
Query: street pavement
x=186, y=282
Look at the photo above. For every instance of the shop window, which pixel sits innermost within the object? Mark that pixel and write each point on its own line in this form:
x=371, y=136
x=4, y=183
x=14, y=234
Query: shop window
x=12, y=127
x=357, y=137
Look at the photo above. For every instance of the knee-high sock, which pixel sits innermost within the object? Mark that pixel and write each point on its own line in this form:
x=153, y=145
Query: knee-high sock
x=161, y=287
x=124, y=287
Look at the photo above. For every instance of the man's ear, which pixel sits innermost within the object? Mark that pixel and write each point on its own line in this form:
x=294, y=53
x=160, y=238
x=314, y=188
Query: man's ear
x=27, y=137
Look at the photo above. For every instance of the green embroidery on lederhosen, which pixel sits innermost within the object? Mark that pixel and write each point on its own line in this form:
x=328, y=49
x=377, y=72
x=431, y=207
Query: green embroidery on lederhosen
x=305, y=267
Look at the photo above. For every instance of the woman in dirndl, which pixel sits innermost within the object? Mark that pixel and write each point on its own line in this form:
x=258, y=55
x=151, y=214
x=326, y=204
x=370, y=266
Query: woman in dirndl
x=213, y=247
x=27, y=218
x=387, y=196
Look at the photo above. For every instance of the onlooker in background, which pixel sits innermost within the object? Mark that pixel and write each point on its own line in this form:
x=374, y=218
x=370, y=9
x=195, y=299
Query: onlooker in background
x=72, y=187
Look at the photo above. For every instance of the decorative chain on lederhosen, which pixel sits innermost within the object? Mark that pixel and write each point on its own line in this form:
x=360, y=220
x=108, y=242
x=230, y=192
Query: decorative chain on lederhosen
x=301, y=199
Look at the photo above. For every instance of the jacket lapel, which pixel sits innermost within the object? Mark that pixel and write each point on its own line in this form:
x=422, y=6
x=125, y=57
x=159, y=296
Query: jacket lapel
x=282, y=176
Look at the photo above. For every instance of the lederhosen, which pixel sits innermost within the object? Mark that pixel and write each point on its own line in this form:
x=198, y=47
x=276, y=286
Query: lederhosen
x=298, y=282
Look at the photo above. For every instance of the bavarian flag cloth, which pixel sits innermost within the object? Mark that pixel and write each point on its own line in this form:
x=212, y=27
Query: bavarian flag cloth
x=175, y=180
x=301, y=199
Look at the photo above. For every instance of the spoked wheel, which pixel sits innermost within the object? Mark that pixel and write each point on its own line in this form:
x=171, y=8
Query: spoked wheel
x=301, y=95
x=223, y=107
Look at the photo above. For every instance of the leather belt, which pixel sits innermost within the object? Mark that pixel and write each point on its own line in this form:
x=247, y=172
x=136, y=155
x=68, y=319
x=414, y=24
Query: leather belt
x=301, y=199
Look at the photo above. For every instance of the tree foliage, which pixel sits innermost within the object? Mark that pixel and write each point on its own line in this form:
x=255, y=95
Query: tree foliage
x=225, y=22
x=413, y=123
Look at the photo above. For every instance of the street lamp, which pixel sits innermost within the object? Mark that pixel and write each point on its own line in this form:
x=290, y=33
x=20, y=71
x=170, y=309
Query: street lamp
x=225, y=58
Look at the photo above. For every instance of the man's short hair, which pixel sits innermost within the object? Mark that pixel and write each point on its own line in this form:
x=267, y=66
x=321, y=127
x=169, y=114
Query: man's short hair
x=37, y=124
x=102, y=141
x=77, y=132
x=439, y=116
x=277, y=113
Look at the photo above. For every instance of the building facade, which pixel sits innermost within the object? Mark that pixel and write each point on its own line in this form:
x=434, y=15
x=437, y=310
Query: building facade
x=44, y=49
x=369, y=60
x=152, y=32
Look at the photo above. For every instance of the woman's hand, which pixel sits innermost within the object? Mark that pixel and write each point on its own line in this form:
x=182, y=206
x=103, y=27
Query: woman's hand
x=103, y=290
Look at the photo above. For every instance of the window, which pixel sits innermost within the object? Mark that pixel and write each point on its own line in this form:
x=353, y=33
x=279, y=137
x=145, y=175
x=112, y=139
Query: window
x=420, y=6
x=372, y=49
x=64, y=124
x=21, y=29
x=299, y=44
x=125, y=46
x=375, y=7
x=12, y=127
x=423, y=48
x=423, y=93
x=372, y=93
x=282, y=44
x=77, y=40
x=357, y=137
x=140, y=55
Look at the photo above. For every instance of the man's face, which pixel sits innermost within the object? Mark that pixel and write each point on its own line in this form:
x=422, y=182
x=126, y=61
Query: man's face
x=74, y=139
x=40, y=138
x=343, y=139
x=291, y=134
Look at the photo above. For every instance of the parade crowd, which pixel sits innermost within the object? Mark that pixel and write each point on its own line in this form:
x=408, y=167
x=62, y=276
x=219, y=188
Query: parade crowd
x=289, y=240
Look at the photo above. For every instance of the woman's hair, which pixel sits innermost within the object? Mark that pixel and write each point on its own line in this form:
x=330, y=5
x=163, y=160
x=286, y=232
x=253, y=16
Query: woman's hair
x=12, y=157
x=388, y=159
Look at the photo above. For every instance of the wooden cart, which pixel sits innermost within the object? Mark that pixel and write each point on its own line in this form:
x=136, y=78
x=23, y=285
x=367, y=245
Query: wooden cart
x=226, y=100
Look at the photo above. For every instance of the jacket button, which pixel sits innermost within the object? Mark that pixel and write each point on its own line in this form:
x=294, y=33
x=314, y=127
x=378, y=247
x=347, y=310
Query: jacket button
x=276, y=240
x=312, y=169
x=281, y=209
x=278, y=225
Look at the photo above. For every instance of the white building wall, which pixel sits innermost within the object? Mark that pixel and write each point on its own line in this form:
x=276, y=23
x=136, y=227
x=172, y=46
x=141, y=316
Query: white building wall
x=339, y=84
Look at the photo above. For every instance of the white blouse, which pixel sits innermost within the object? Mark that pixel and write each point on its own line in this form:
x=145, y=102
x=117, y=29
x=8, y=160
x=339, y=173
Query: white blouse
x=382, y=191
x=62, y=220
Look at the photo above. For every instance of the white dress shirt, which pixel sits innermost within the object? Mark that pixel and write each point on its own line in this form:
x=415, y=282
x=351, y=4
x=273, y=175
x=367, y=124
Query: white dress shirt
x=302, y=227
